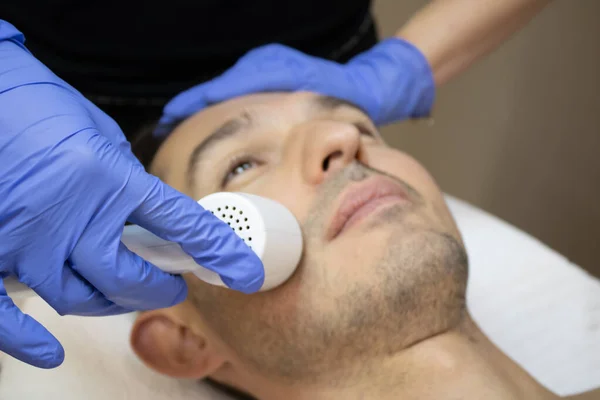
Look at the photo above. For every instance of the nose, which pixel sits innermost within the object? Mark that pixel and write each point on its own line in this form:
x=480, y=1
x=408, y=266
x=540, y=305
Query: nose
x=329, y=146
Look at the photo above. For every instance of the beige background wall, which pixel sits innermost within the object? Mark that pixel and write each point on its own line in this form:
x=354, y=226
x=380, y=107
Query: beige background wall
x=519, y=134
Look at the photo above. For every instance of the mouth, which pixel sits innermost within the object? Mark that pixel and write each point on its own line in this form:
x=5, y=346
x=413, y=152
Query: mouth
x=362, y=200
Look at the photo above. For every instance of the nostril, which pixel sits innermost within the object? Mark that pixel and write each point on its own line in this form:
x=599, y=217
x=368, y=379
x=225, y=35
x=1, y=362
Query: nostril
x=328, y=159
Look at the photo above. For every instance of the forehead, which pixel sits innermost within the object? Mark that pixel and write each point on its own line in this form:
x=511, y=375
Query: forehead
x=171, y=161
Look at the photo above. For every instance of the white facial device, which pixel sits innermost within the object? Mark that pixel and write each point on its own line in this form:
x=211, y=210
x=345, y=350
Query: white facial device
x=266, y=226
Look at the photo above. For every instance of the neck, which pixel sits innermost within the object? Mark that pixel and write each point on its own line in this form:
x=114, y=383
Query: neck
x=458, y=364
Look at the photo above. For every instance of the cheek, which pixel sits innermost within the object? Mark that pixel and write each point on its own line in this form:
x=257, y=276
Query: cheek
x=281, y=186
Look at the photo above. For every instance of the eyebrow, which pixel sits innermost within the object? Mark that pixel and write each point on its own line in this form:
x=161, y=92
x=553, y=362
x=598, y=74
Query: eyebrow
x=233, y=127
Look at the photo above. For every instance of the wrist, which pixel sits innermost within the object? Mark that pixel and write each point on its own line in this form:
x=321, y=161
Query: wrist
x=397, y=81
x=412, y=64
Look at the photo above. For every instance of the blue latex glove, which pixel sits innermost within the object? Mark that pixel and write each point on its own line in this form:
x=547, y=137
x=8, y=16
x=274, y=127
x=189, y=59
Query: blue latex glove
x=68, y=184
x=391, y=82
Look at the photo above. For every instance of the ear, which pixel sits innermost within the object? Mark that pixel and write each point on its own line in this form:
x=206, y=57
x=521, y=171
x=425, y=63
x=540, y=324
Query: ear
x=171, y=348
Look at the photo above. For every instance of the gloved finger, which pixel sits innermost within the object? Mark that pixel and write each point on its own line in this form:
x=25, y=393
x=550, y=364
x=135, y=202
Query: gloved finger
x=26, y=339
x=269, y=68
x=125, y=278
x=233, y=84
x=237, y=83
x=177, y=218
x=69, y=294
x=184, y=104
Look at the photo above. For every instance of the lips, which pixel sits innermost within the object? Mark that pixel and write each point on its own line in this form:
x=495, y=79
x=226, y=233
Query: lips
x=361, y=200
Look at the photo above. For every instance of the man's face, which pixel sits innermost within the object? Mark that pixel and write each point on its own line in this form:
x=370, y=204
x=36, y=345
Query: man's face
x=383, y=264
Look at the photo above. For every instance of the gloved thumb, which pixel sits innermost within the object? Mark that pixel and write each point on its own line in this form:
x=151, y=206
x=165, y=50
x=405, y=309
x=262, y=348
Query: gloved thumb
x=24, y=338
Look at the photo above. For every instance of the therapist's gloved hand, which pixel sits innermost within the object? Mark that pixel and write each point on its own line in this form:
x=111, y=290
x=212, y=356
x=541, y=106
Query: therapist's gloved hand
x=68, y=183
x=391, y=82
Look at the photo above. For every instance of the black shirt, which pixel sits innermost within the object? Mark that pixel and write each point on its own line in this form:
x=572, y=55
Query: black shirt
x=152, y=50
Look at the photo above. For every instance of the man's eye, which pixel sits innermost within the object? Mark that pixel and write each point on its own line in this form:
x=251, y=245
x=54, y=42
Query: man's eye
x=239, y=168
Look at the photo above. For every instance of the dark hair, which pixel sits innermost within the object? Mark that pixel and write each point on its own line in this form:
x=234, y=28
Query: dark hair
x=145, y=144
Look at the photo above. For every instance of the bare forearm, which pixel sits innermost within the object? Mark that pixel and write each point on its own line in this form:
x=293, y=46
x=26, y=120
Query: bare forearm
x=453, y=34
